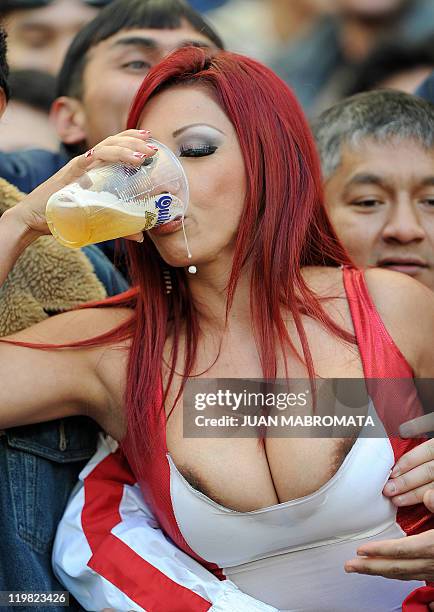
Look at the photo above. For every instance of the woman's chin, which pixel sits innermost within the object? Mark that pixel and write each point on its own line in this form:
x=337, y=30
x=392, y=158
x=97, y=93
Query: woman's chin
x=173, y=249
x=176, y=260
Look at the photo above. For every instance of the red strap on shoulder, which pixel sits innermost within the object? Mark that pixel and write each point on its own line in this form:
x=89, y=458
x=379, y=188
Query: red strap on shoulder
x=389, y=380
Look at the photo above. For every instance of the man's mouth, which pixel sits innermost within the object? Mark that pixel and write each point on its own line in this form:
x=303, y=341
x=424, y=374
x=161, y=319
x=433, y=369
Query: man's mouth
x=407, y=265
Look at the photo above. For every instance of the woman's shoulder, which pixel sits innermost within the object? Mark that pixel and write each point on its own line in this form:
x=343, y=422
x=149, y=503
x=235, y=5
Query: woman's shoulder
x=325, y=282
x=392, y=293
x=406, y=308
x=400, y=299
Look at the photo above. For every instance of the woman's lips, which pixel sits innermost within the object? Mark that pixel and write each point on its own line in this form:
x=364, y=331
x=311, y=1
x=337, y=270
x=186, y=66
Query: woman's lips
x=167, y=228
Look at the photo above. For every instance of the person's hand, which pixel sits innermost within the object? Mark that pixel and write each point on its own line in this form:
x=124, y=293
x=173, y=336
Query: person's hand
x=128, y=147
x=416, y=427
x=410, y=558
x=413, y=476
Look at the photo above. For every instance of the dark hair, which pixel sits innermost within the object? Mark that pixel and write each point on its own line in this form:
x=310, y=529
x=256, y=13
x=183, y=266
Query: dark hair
x=125, y=15
x=389, y=59
x=4, y=68
x=38, y=89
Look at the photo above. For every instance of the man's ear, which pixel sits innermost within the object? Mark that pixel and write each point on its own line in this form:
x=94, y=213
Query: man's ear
x=68, y=117
x=3, y=101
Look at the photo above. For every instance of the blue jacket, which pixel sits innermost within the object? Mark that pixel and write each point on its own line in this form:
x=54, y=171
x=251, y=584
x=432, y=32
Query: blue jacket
x=28, y=169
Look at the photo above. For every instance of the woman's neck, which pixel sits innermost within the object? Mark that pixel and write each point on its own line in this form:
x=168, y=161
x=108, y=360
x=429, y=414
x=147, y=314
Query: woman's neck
x=209, y=288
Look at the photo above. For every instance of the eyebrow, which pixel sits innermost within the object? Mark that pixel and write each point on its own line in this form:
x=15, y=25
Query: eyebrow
x=192, y=125
x=150, y=43
x=373, y=179
x=135, y=41
x=365, y=179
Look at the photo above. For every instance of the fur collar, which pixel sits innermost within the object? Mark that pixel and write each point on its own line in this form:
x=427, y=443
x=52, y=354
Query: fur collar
x=47, y=278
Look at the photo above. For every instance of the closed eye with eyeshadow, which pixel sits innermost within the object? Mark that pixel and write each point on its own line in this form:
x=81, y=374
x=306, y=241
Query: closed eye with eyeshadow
x=197, y=150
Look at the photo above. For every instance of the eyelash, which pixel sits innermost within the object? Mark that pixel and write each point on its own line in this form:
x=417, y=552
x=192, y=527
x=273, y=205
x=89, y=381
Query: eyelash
x=202, y=151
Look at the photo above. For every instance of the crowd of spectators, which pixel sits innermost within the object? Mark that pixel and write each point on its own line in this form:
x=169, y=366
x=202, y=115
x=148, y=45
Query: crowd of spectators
x=66, y=65
x=324, y=49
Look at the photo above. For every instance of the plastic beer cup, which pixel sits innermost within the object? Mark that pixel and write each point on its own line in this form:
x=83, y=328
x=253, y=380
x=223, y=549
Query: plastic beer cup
x=118, y=200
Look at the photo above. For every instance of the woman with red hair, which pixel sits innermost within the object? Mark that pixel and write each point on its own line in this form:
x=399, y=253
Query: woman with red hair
x=268, y=292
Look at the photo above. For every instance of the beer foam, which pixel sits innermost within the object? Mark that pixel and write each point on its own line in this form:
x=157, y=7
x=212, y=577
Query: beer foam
x=84, y=197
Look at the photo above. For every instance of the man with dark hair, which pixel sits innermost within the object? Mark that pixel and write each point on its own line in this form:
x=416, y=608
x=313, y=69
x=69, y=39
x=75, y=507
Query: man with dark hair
x=39, y=464
x=109, y=58
x=101, y=73
x=40, y=31
x=103, y=69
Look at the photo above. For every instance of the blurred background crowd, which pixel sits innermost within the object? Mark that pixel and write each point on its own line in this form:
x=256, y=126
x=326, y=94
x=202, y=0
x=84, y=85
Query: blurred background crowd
x=324, y=49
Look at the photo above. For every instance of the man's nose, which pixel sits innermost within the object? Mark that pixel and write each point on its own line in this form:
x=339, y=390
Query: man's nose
x=403, y=224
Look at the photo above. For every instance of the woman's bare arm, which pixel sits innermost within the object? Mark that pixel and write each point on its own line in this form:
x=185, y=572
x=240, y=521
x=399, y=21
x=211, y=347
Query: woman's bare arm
x=14, y=238
x=25, y=222
x=41, y=385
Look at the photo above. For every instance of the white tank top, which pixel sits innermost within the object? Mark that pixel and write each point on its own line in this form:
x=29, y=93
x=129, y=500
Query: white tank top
x=284, y=554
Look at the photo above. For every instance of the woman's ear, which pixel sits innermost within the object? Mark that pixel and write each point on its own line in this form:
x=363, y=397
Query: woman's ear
x=68, y=117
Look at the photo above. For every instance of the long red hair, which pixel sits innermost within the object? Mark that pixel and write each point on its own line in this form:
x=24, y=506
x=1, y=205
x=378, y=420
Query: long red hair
x=284, y=227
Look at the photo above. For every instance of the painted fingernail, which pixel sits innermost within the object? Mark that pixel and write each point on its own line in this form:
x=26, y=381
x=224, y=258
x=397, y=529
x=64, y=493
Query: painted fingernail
x=399, y=500
x=390, y=488
x=139, y=155
x=89, y=153
x=144, y=132
x=154, y=148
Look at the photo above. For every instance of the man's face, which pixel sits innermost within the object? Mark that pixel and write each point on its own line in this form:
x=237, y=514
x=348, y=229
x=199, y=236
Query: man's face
x=381, y=203
x=115, y=70
x=39, y=37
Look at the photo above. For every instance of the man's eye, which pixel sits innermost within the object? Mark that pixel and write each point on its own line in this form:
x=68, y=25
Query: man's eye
x=201, y=151
x=428, y=202
x=368, y=203
x=138, y=65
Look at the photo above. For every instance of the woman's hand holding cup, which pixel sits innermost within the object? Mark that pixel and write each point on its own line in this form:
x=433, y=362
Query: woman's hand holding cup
x=128, y=147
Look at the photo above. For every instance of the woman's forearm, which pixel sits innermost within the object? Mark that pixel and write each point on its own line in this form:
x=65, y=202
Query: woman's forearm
x=14, y=239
